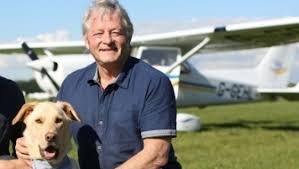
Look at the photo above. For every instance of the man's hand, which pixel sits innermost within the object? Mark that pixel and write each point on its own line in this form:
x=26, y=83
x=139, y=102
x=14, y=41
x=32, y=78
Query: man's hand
x=22, y=151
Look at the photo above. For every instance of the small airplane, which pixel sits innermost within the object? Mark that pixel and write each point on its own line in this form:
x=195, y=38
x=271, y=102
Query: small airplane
x=169, y=53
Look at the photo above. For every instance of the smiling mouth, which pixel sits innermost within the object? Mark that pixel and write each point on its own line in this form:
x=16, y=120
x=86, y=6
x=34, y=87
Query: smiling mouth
x=49, y=153
x=108, y=50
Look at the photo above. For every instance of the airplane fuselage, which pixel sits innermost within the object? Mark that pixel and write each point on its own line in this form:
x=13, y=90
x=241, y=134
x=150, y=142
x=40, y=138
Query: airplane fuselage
x=192, y=87
x=198, y=89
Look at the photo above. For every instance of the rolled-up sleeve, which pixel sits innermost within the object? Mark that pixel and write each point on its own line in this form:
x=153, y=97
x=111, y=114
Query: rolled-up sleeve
x=158, y=117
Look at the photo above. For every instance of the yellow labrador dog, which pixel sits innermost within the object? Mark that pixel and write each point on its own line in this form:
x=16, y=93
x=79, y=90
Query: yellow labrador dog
x=47, y=133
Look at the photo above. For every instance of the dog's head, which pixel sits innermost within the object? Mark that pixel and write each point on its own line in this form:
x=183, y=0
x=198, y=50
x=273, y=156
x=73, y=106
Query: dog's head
x=47, y=132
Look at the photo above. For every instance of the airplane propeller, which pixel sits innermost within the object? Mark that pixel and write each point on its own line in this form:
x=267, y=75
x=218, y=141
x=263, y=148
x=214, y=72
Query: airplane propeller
x=30, y=52
x=33, y=56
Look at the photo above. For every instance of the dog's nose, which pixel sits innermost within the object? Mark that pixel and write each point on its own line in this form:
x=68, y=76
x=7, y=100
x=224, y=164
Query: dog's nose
x=50, y=136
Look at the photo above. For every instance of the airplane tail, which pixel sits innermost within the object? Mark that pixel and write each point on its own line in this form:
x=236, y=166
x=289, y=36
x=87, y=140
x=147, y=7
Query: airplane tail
x=274, y=70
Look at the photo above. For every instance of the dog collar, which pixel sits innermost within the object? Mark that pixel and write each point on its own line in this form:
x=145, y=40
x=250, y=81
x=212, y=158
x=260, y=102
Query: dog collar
x=43, y=164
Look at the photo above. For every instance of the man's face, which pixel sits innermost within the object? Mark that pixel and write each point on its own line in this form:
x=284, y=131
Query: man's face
x=106, y=38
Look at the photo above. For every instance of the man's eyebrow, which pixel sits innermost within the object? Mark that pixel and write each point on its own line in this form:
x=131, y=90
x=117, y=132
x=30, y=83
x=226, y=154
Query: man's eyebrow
x=118, y=28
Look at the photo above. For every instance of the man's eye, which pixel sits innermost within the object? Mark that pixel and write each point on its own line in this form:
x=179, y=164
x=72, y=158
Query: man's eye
x=117, y=33
x=97, y=34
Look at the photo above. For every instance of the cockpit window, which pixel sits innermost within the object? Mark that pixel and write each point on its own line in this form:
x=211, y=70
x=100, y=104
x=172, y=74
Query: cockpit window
x=159, y=57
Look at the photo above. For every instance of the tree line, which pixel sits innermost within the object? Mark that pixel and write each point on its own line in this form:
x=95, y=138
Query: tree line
x=29, y=86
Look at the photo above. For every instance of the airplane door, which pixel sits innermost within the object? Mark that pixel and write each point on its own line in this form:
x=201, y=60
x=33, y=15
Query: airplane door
x=162, y=58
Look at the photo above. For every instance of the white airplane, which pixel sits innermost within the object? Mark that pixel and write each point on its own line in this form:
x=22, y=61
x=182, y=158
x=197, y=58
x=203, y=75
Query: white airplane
x=169, y=53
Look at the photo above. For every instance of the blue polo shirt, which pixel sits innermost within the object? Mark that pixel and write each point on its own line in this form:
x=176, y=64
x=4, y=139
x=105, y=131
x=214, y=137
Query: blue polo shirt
x=140, y=104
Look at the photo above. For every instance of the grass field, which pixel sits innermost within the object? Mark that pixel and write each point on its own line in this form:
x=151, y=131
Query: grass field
x=246, y=136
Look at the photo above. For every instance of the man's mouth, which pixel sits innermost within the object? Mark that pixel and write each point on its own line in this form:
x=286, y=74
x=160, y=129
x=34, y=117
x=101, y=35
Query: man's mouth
x=108, y=49
x=49, y=153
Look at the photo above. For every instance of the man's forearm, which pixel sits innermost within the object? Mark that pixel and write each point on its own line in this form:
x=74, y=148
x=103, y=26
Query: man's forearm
x=8, y=164
x=153, y=156
x=13, y=164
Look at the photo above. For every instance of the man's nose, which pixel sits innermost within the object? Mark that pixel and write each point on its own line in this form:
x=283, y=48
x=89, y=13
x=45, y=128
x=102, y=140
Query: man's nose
x=107, y=38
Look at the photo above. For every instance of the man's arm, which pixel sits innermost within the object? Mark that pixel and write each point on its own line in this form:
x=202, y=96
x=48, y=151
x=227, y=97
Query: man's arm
x=13, y=164
x=154, y=155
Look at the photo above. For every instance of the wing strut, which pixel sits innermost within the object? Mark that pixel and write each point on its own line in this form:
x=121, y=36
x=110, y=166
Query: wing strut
x=189, y=54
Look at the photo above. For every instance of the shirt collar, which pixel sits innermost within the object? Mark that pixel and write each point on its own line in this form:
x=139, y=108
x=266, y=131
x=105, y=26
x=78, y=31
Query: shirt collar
x=122, y=79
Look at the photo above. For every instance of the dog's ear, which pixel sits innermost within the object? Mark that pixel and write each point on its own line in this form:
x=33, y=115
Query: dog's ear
x=25, y=110
x=69, y=111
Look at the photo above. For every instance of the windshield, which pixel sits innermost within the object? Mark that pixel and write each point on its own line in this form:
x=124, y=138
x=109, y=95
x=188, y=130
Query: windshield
x=159, y=57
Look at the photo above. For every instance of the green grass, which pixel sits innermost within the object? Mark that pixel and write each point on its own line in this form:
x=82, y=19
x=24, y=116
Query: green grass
x=245, y=136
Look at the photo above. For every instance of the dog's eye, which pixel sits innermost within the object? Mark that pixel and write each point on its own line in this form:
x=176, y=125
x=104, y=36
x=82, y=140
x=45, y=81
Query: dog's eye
x=58, y=120
x=39, y=121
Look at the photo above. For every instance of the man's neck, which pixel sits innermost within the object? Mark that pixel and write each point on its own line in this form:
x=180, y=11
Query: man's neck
x=109, y=73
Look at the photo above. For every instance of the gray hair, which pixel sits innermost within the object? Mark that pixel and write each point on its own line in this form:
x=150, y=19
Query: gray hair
x=108, y=6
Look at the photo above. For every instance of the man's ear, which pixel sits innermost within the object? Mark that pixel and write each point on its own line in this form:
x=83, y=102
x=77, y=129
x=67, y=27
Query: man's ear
x=69, y=111
x=25, y=110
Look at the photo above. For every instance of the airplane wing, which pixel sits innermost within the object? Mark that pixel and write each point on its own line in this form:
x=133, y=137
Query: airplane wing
x=290, y=93
x=229, y=37
x=64, y=47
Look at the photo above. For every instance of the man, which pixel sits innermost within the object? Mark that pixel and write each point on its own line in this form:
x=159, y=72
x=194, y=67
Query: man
x=128, y=108
x=11, y=100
